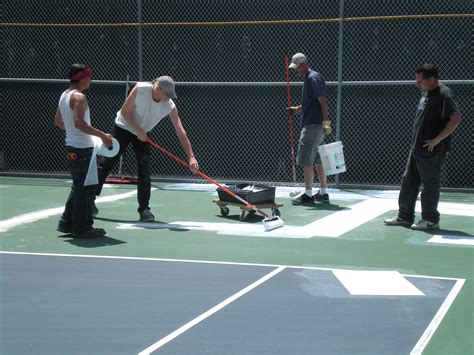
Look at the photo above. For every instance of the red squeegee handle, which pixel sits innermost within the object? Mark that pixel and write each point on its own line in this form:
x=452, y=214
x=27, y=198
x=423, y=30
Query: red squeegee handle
x=182, y=162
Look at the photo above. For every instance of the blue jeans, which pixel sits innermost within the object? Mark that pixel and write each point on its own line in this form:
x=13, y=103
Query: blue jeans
x=142, y=154
x=78, y=210
x=423, y=168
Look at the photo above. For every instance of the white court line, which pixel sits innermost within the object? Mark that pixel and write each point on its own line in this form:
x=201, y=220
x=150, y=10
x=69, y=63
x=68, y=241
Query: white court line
x=419, y=347
x=452, y=239
x=9, y=223
x=210, y=312
x=436, y=321
x=205, y=262
x=331, y=226
x=341, y=222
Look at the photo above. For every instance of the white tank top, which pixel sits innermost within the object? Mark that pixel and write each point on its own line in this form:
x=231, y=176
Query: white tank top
x=74, y=137
x=147, y=112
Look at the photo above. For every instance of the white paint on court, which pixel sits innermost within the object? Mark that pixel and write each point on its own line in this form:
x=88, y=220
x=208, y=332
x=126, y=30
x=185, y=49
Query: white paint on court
x=367, y=206
x=9, y=223
x=376, y=283
x=452, y=239
x=332, y=226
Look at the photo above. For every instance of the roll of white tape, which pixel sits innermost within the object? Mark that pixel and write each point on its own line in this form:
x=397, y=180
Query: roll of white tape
x=101, y=149
x=107, y=152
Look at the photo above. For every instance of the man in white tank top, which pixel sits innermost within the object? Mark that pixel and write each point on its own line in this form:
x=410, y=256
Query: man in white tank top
x=73, y=116
x=146, y=105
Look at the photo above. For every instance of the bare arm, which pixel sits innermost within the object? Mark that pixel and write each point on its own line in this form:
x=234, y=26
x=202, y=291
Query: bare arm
x=58, y=120
x=323, y=101
x=127, y=113
x=454, y=121
x=78, y=104
x=183, y=139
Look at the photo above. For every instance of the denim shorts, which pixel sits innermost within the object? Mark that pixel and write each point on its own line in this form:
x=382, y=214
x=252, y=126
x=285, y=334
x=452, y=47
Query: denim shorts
x=310, y=138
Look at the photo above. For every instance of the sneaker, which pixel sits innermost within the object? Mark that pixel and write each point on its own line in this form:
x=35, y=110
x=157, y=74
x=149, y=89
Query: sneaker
x=63, y=227
x=321, y=197
x=95, y=210
x=396, y=221
x=424, y=225
x=146, y=216
x=91, y=233
x=303, y=199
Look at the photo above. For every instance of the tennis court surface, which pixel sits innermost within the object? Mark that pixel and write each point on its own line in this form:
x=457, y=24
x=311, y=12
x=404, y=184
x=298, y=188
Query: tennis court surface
x=333, y=280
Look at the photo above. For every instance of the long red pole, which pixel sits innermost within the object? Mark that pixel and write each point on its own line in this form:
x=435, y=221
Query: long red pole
x=182, y=162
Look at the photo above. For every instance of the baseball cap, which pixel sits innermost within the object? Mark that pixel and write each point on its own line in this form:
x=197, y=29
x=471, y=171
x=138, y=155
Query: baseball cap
x=297, y=59
x=166, y=83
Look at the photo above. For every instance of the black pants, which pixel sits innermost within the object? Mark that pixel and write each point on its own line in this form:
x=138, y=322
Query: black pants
x=78, y=210
x=142, y=153
x=423, y=168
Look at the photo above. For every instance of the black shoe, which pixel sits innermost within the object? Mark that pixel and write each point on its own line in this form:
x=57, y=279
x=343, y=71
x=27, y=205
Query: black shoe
x=63, y=227
x=146, y=216
x=95, y=210
x=91, y=233
x=303, y=199
x=321, y=197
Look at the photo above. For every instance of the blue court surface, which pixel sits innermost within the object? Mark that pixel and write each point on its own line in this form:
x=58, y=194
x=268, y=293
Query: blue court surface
x=83, y=304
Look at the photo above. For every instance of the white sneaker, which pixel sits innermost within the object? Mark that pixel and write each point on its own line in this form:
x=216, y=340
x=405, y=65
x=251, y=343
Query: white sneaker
x=423, y=225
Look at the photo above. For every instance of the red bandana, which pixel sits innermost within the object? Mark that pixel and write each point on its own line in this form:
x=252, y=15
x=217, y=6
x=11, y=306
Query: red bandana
x=86, y=73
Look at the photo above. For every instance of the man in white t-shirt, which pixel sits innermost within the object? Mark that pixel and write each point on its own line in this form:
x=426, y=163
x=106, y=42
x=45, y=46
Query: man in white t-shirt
x=146, y=105
x=73, y=116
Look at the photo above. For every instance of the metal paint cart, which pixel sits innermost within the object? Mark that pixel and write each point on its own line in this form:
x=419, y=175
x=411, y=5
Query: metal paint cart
x=245, y=211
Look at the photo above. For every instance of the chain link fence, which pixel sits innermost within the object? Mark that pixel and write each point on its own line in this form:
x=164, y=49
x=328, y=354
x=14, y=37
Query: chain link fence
x=227, y=57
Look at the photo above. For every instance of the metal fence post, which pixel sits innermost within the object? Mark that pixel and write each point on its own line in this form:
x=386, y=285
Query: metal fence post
x=140, y=39
x=339, y=77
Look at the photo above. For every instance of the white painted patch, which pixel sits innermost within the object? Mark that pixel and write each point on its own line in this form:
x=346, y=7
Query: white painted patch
x=341, y=222
x=240, y=229
x=457, y=209
x=452, y=239
x=331, y=226
x=9, y=223
x=376, y=283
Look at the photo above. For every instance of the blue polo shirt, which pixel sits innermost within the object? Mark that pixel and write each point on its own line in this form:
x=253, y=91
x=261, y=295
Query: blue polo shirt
x=314, y=86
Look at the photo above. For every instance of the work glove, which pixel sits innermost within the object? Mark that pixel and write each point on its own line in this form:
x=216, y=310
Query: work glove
x=327, y=127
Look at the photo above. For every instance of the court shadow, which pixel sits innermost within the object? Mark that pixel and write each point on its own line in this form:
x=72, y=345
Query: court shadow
x=326, y=207
x=115, y=220
x=91, y=242
x=146, y=225
x=449, y=233
x=159, y=225
x=251, y=218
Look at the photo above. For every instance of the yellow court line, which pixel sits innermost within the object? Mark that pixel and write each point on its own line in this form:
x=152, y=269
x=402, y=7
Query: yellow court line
x=234, y=23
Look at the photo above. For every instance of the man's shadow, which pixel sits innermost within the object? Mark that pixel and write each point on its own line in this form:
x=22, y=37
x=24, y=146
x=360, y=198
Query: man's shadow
x=449, y=233
x=326, y=206
x=147, y=225
x=91, y=242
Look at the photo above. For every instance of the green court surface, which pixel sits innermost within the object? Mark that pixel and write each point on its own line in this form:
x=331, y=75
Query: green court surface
x=348, y=233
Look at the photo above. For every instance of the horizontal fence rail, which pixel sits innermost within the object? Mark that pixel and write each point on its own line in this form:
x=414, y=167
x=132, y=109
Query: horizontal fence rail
x=227, y=58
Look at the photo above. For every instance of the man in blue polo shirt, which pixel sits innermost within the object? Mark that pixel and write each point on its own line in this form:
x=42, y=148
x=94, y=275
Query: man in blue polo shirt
x=314, y=124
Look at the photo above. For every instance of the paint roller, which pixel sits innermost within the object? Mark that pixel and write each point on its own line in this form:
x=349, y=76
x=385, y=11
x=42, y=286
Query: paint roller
x=269, y=222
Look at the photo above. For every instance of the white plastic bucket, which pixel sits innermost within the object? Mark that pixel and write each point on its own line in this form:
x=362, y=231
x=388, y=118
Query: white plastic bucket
x=332, y=158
